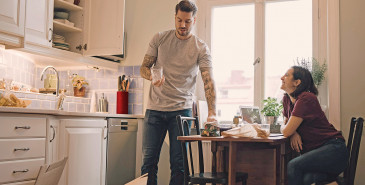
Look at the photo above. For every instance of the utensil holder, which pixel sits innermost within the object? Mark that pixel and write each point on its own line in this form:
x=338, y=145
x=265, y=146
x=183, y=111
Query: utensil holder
x=122, y=102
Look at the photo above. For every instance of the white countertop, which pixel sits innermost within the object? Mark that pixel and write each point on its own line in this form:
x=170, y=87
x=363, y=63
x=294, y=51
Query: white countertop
x=65, y=113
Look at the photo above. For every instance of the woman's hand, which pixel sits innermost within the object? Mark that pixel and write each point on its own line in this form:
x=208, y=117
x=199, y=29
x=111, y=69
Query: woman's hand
x=296, y=142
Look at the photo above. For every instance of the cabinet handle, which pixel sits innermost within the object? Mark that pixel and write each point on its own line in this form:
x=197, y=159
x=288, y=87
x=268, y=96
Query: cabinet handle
x=79, y=47
x=23, y=127
x=54, y=134
x=85, y=46
x=50, y=39
x=105, y=134
x=24, y=149
x=20, y=171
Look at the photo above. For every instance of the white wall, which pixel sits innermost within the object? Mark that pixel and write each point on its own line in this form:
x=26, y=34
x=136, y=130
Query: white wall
x=352, y=35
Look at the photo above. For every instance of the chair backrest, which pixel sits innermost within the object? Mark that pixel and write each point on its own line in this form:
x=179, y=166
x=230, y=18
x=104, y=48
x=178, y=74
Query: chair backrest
x=353, y=146
x=184, y=130
x=51, y=174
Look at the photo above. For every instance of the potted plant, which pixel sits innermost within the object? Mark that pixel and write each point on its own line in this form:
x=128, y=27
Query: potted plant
x=272, y=110
x=317, y=70
x=78, y=83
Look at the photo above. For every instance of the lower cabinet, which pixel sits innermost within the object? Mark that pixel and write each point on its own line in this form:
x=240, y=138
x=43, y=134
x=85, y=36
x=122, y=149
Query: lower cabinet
x=83, y=141
x=22, y=143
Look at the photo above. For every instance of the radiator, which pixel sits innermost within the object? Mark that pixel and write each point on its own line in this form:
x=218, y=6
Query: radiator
x=207, y=155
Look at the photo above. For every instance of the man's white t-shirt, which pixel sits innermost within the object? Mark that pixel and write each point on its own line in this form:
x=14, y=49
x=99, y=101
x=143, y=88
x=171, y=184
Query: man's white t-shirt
x=180, y=60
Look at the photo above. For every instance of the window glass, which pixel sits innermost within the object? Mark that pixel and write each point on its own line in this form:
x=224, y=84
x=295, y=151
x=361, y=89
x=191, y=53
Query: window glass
x=232, y=46
x=288, y=38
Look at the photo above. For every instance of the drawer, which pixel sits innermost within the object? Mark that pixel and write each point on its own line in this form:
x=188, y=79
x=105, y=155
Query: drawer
x=22, y=183
x=11, y=171
x=22, y=127
x=22, y=148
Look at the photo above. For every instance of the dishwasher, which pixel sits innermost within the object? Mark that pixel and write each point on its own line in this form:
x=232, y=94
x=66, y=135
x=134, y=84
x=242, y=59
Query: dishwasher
x=121, y=151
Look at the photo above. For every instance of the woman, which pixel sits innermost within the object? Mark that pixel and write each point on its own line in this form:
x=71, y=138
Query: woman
x=322, y=147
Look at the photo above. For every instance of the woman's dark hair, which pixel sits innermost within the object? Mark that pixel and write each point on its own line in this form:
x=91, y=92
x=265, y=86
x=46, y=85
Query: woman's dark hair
x=186, y=6
x=306, y=85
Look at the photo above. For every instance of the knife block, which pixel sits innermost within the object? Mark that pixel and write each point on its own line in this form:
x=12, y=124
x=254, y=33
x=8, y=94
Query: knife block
x=122, y=102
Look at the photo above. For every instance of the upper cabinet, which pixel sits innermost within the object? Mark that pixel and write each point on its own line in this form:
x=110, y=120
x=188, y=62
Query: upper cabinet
x=39, y=24
x=12, y=16
x=93, y=28
x=64, y=32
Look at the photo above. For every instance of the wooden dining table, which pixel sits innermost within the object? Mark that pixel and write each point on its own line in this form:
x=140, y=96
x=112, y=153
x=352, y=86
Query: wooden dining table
x=263, y=159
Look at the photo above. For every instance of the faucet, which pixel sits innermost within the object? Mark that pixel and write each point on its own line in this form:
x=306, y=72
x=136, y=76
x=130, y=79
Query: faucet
x=58, y=79
x=60, y=97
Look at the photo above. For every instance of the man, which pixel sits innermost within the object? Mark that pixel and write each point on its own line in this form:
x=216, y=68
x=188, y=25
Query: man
x=180, y=53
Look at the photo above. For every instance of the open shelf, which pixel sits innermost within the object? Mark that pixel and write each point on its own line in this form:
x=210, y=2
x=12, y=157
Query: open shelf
x=60, y=27
x=66, y=5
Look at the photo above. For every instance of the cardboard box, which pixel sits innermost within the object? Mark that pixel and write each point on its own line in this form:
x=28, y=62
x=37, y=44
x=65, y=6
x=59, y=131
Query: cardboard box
x=142, y=180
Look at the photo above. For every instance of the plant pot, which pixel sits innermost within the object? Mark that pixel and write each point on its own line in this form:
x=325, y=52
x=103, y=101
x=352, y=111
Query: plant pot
x=79, y=92
x=271, y=120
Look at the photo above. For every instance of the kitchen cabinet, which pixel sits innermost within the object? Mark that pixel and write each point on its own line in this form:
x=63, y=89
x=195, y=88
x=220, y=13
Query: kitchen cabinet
x=12, y=16
x=22, y=143
x=52, y=140
x=39, y=24
x=83, y=141
x=98, y=29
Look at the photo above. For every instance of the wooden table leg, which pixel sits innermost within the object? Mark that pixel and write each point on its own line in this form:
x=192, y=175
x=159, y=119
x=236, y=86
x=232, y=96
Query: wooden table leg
x=232, y=163
x=278, y=164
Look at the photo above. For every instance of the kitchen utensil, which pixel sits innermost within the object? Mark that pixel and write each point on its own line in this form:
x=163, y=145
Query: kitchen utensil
x=127, y=86
x=119, y=83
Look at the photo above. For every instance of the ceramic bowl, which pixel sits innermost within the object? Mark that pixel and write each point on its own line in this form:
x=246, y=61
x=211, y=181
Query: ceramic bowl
x=61, y=15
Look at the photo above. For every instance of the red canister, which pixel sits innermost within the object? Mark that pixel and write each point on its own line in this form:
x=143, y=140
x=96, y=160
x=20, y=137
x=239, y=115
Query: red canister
x=122, y=102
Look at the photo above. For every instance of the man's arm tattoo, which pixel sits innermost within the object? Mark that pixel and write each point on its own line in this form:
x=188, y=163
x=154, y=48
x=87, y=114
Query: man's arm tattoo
x=209, y=89
x=148, y=61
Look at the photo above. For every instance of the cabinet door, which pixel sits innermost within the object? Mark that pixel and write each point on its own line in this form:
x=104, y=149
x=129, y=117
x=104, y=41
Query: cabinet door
x=39, y=22
x=52, y=140
x=84, y=142
x=12, y=14
x=104, y=27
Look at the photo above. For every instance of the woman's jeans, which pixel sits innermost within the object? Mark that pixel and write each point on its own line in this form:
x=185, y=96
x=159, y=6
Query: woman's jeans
x=156, y=124
x=316, y=165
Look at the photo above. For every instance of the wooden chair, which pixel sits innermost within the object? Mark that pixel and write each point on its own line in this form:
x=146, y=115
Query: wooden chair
x=51, y=174
x=353, y=147
x=201, y=177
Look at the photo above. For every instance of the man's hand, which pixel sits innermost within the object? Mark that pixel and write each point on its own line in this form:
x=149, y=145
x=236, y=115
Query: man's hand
x=159, y=83
x=296, y=142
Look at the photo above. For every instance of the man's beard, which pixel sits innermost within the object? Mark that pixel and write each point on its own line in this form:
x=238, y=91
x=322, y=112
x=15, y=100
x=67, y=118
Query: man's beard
x=183, y=33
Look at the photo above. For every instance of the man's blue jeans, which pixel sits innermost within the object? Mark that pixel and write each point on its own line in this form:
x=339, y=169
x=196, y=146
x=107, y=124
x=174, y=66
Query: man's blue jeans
x=156, y=124
x=316, y=165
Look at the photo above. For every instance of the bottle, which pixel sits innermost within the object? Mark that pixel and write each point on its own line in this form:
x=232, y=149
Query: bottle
x=103, y=104
x=93, y=102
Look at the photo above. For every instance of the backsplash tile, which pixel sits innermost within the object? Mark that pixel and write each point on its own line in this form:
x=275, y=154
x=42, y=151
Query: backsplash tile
x=26, y=75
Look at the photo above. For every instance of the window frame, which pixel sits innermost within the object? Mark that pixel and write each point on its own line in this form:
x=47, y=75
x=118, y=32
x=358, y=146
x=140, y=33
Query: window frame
x=325, y=47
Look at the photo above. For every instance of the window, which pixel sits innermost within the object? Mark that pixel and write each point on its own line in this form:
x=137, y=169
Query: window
x=274, y=33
